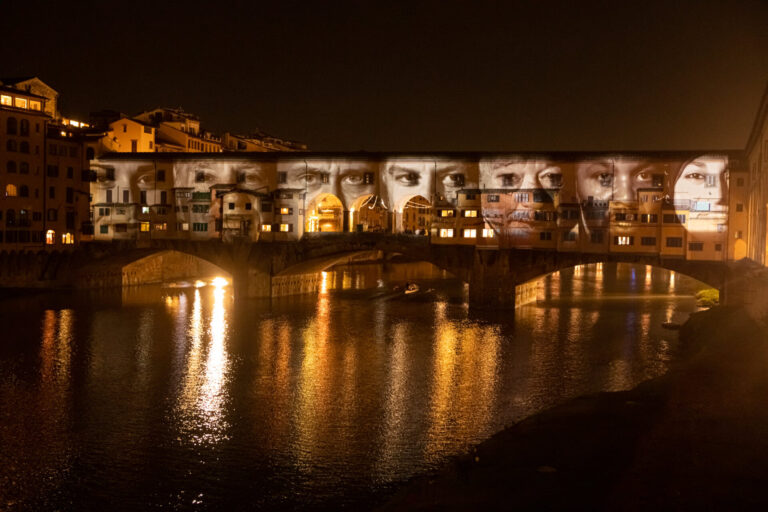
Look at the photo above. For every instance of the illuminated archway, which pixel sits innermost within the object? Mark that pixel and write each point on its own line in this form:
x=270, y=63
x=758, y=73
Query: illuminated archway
x=368, y=214
x=414, y=215
x=739, y=249
x=168, y=266
x=325, y=214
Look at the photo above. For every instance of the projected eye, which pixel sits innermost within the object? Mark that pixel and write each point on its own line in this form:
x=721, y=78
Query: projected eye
x=605, y=179
x=145, y=179
x=251, y=176
x=309, y=178
x=509, y=179
x=453, y=180
x=694, y=176
x=646, y=175
x=551, y=178
x=407, y=178
x=204, y=177
x=352, y=179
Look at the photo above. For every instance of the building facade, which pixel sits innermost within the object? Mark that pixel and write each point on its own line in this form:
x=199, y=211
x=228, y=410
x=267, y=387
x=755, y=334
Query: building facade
x=22, y=167
x=675, y=204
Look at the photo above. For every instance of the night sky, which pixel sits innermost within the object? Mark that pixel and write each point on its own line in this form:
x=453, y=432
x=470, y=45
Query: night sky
x=412, y=75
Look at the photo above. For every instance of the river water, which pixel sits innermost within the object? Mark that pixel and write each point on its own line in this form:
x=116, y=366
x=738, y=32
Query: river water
x=180, y=397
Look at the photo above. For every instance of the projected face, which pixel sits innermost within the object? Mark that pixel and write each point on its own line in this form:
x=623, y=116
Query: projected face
x=346, y=179
x=201, y=175
x=451, y=177
x=517, y=174
x=616, y=179
x=403, y=179
x=115, y=177
x=702, y=182
x=534, y=183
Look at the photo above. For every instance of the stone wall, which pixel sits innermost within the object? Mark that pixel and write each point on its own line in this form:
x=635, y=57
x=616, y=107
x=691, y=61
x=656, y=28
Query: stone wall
x=527, y=293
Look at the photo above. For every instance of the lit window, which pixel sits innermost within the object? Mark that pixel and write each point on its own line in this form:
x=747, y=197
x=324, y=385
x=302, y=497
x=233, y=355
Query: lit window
x=185, y=226
x=285, y=228
x=67, y=239
x=470, y=213
x=145, y=227
x=50, y=237
x=285, y=211
x=446, y=213
x=20, y=102
x=145, y=209
x=488, y=233
x=470, y=233
x=6, y=100
x=446, y=233
x=266, y=227
x=161, y=226
x=10, y=190
x=623, y=240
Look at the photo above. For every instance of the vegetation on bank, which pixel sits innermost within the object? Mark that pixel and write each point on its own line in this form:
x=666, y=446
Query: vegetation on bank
x=708, y=298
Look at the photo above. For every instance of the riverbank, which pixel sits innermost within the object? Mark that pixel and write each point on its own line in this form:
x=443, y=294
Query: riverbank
x=692, y=439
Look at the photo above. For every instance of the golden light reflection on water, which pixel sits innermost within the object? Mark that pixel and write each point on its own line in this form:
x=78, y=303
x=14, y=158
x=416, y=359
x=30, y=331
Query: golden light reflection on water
x=313, y=385
x=212, y=397
x=203, y=397
x=395, y=410
x=463, y=382
x=619, y=375
x=56, y=351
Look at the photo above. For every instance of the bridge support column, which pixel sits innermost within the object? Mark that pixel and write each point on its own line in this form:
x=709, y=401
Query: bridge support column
x=252, y=283
x=491, y=285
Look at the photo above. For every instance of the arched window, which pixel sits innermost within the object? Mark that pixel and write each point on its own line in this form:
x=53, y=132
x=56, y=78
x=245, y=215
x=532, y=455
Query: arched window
x=10, y=166
x=50, y=237
x=10, y=126
x=10, y=190
x=24, y=147
x=23, y=168
x=68, y=239
x=89, y=154
x=11, y=145
x=10, y=217
x=23, y=191
x=24, y=127
x=53, y=214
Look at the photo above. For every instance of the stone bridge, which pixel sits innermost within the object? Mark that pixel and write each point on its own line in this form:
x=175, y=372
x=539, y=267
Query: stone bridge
x=257, y=269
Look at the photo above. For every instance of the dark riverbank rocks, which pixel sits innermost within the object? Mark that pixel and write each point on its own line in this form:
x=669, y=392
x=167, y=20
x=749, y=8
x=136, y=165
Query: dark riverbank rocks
x=693, y=439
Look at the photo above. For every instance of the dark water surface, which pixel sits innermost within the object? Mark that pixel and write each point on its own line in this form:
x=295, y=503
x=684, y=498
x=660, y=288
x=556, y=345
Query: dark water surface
x=183, y=398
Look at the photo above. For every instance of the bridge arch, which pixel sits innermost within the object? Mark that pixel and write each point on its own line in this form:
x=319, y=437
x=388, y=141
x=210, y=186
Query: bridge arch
x=413, y=215
x=641, y=276
x=496, y=272
x=168, y=265
x=325, y=213
x=367, y=214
